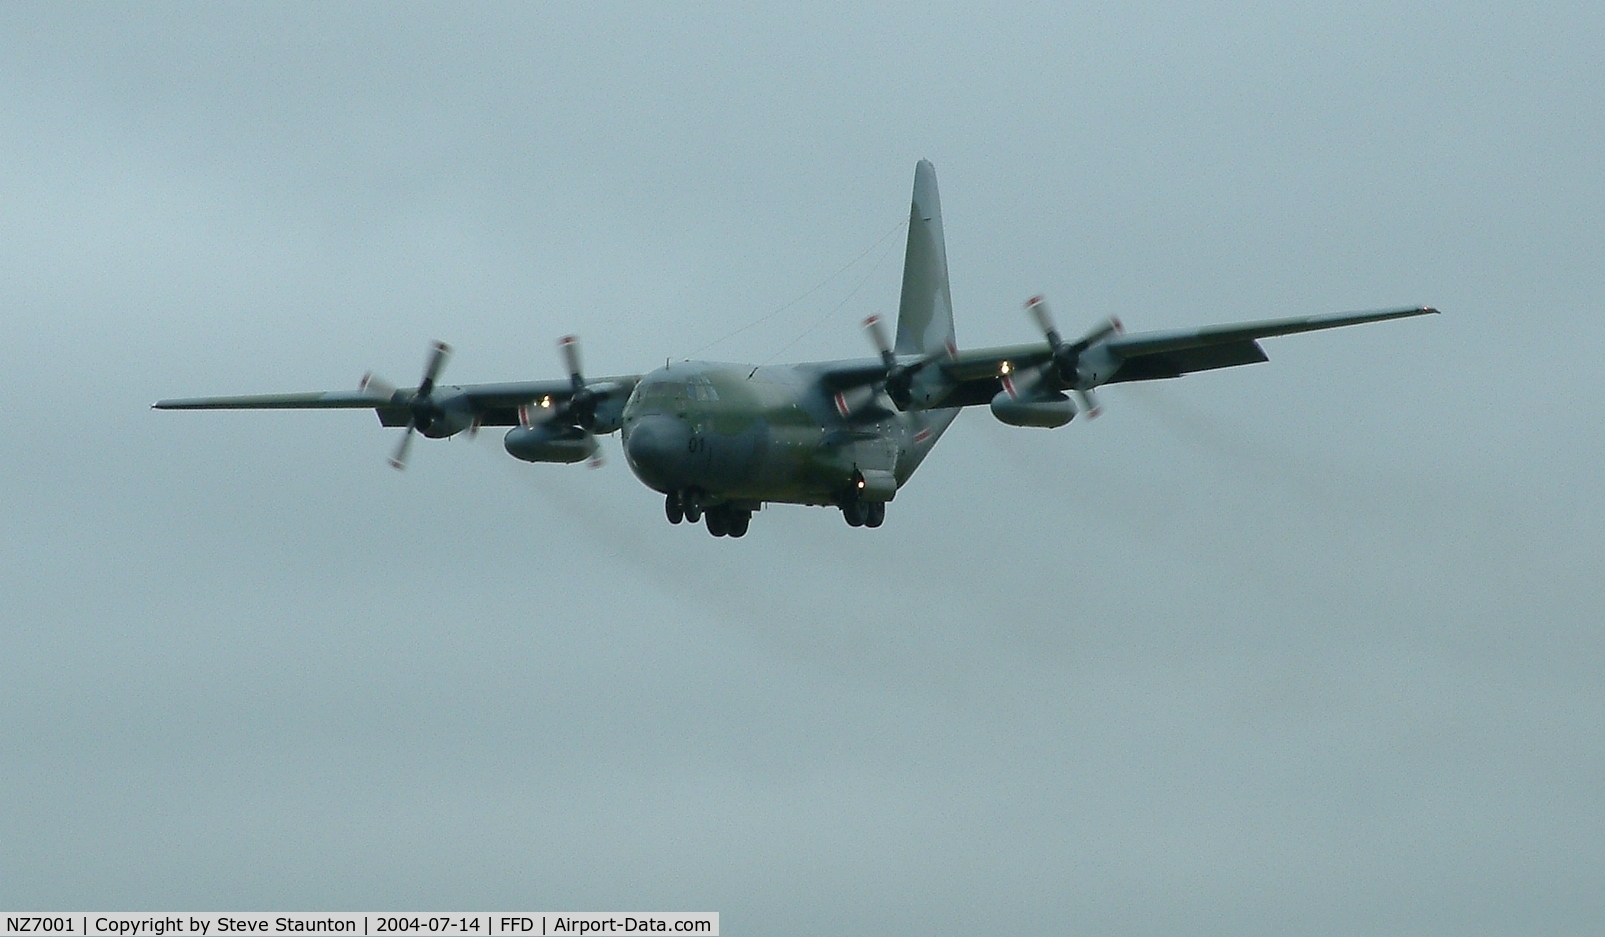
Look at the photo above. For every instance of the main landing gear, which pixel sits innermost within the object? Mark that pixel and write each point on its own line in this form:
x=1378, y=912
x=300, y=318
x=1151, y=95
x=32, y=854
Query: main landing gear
x=723, y=520
x=726, y=521
x=863, y=513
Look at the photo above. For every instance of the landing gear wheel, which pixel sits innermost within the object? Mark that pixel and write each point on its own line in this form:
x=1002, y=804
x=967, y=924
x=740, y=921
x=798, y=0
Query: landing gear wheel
x=673, y=508
x=853, y=512
x=738, y=522
x=718, y=521
x=875, y=514
x=689, y=504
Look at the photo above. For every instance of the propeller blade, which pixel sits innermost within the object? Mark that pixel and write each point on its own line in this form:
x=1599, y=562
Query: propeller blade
x=438, y=353
x=899, y=378
x=1089, y=403
x=877, y=334
x=398, y=461
x=1038, y=308
x=377, y=386
x=569, y=346
x=1111, y=326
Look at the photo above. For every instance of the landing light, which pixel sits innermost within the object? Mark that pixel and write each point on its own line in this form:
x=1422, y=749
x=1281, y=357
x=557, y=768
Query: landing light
x=546, y=401
x=1005, y=368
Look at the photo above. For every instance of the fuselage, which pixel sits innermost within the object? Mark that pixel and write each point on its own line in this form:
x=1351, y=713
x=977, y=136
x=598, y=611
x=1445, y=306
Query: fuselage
x=745, y=435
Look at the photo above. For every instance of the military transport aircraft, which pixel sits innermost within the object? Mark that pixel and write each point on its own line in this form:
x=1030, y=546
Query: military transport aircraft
x=720, y=441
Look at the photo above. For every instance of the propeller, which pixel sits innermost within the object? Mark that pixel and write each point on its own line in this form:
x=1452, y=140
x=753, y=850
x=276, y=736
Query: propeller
x=579, y=410
x=899, y=378
x=1067, y=355
x=423, y=411
x=582, y=404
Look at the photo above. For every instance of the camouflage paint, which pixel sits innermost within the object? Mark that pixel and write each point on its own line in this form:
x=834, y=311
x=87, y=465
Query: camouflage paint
x=768, y=434
x=748, y=435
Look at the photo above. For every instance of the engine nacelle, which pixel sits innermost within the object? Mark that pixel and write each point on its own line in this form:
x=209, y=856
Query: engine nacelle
x=549, y=442
x=928, y=389
x=609, y=414
x=1046, y=410
x=1095, y=366
x=450, y=414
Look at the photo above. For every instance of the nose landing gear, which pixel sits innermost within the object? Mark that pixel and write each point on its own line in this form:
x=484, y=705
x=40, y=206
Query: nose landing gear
x=723, y=520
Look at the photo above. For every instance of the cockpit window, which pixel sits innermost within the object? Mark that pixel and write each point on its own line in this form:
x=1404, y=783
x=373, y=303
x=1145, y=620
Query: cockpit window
x=665, y=393
x=659, y=392
x=702, y=389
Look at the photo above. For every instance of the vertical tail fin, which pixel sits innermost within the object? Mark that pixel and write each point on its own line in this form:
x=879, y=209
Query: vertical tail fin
x=925, y=315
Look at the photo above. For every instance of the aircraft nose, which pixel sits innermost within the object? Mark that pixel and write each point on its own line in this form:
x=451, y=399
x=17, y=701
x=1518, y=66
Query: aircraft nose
x=656, y=447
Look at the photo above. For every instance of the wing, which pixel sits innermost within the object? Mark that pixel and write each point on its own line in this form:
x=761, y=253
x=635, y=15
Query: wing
x=334, y=399
x=490, y=404
x=975, y=376
x=1152, y=355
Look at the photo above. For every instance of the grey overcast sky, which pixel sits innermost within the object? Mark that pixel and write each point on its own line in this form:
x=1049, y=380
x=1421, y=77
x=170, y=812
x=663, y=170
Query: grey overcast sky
x=1309, y=647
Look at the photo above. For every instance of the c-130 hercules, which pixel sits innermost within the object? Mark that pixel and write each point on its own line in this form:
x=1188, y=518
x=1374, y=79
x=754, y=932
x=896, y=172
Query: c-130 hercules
x=721, y=440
